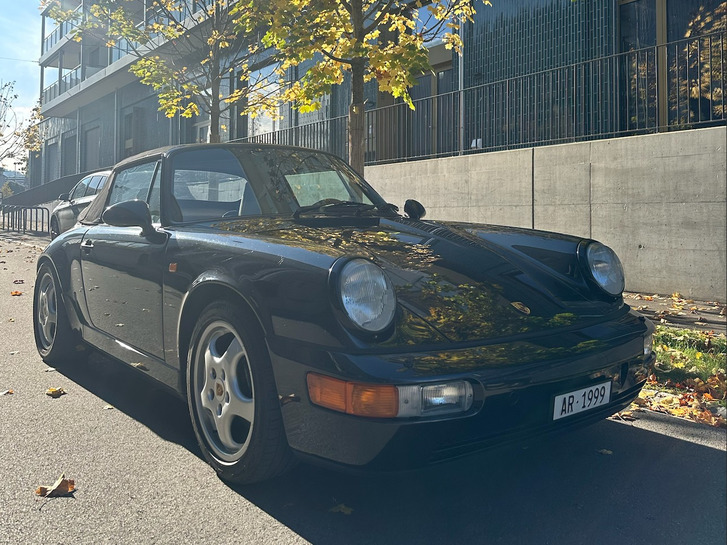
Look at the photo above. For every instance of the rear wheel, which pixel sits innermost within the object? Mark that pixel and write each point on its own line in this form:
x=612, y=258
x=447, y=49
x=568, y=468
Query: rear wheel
x=53, y=335
x=232, y=397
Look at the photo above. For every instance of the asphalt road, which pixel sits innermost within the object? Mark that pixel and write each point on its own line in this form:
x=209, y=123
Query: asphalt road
x=140, y=477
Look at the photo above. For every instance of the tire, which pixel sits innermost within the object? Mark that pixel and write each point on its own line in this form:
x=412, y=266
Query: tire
x=54, y=228
x=54, y=338
x=233, y=402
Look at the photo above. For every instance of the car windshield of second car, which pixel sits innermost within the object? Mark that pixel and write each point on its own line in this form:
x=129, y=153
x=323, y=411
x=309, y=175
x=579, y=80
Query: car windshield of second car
x=222, y=182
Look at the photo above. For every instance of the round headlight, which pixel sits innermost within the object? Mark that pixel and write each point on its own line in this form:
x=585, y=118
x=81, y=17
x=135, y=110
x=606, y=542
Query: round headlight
x=367, y=295
x=605, y=268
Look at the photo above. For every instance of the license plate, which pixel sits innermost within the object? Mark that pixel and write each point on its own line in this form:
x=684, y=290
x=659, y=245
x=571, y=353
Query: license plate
x=581, y=400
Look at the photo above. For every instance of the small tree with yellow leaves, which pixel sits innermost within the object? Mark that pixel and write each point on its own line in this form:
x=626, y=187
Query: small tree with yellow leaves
x=382, y=40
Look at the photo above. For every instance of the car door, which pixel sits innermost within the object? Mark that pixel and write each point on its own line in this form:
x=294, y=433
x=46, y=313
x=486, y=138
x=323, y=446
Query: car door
x=122, y=270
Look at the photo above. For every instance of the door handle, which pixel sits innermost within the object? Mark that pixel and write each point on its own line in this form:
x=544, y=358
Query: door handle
x=87, y=246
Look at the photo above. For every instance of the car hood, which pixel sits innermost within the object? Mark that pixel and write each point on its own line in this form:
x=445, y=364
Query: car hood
x=467, y=281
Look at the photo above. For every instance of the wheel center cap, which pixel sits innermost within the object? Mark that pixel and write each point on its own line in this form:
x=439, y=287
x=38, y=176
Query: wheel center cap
x=219, y=390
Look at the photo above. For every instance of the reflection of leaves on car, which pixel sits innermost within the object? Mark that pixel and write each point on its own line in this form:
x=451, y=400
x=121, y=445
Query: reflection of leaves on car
x=496, y=355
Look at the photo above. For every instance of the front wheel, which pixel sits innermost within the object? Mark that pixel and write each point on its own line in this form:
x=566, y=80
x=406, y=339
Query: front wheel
x=232, y=397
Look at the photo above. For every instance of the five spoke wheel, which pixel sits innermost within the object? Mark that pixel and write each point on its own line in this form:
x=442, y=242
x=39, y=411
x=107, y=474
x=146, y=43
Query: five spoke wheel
x=232, y=397
x=223, y=382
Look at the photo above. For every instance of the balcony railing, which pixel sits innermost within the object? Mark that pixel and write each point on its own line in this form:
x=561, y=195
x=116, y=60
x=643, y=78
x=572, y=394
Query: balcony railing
x=67, y=82
x=675, y=86
x=61, y=30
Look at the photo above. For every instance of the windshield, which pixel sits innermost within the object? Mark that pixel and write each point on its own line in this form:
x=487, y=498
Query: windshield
x=211, y=183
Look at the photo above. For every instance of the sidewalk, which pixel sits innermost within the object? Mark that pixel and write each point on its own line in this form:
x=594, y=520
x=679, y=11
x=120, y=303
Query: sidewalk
x=675, y=311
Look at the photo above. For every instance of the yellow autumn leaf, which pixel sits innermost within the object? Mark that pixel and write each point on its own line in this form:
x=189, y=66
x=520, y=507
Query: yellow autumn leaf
x=55, y=392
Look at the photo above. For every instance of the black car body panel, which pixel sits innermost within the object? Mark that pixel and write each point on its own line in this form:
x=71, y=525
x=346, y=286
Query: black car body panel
x=511, y=311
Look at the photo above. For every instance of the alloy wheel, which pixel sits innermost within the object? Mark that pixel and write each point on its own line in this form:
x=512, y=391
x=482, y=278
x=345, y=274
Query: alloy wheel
x=47, y=312
x=224, y=391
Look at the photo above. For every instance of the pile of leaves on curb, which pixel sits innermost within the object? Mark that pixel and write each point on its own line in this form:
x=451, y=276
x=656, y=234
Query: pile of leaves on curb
x=689, y=379
x=693, y=399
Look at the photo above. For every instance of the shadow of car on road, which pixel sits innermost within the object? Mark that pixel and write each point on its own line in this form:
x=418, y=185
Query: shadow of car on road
x=131, y=392
x=607, y=483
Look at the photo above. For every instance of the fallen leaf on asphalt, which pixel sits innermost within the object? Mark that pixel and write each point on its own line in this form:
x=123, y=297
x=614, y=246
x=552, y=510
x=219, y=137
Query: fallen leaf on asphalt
x=341, y=508
x=18, y=281
x=7, y=393
x=109, y=407
x=11, y=319
x=16, y=293
x=50, y=369
x=62, y=487
x=626, y=416
x=15, y=352
x=605, y=452
x=55, y=393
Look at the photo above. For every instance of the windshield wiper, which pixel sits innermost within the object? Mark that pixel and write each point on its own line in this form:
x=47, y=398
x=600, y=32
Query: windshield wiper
x=334, y=207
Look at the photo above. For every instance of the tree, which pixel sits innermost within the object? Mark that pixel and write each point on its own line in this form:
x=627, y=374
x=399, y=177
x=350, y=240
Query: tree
x=188, y=50
x=383, y=40
x=11, y=140
x=7, y=190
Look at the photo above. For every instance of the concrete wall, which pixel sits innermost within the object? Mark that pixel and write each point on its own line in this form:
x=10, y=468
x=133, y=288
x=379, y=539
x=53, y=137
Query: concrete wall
x=658, y=200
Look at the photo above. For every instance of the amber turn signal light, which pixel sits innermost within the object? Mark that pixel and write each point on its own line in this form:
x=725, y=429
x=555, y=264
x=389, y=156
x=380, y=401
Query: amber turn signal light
x=372, y=400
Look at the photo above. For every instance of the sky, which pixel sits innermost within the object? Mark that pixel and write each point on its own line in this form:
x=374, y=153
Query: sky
x=20, y=25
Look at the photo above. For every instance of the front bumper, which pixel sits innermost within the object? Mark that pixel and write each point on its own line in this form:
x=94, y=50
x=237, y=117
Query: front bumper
x=513, y=402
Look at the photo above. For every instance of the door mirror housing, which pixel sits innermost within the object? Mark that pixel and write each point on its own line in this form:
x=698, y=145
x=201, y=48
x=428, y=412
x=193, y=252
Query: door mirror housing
x=130, y=214
x=414, y=209
x=63, y=197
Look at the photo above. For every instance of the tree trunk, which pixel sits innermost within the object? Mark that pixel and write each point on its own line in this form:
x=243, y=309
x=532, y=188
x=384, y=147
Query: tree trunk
x=215, y=111
x=357, y=118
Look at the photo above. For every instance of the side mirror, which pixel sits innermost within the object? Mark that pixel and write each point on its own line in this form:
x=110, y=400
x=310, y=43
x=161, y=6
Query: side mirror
x=129, y=214
x=414, y=209
x=63, y=197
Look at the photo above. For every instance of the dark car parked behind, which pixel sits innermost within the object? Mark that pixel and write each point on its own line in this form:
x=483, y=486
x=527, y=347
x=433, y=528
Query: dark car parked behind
x=65, y=215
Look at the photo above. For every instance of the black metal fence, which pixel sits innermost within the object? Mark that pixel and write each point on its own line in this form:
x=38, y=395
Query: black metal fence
x=679, y=85
x=25, y=218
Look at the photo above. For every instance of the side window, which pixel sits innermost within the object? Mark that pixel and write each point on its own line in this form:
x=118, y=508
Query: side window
x=94, y=186
x=206, y=184
x=132, y=183
x=80, y=189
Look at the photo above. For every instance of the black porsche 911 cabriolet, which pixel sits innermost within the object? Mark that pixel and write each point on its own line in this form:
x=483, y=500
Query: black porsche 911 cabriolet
x=302, y=316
